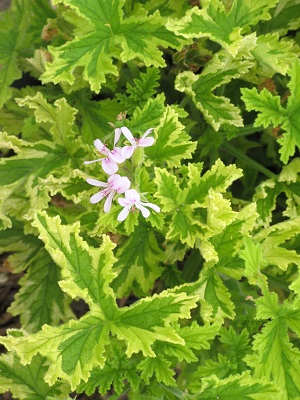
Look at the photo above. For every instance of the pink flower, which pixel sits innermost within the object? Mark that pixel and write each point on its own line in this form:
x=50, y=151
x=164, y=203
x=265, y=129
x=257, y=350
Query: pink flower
x=115, y=184
x=112, y=159
x=132, y=200
x=127, y=151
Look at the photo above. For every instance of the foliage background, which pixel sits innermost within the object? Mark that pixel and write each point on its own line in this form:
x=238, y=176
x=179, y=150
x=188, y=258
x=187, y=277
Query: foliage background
x=200, y=300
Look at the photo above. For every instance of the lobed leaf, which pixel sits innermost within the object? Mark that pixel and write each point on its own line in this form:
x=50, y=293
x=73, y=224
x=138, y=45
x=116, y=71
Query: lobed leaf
x=270, y=112
x=61, y=117
x=40, y=300
x=112, y=37
x=220, y=24
x=273, y=55
x=77, y=347
x=141, y=91
x=96, y=117
x=21, y=27
x=240, y=387
x=171, y=144
x=139, y=262
x=274, y=357
x=27, y=382
x=217, y=110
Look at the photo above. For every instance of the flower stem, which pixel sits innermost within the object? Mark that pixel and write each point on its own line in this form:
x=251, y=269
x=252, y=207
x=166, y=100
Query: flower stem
x=184, y=101
x=249, y=129
x=235, y=152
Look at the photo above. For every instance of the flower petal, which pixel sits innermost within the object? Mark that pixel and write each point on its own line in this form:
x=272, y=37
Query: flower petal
x=108, y=201
x=124, y=203
x=94, y=182
x=113, y=178
x=126, y=132
x=146, y=142
x=151, y=205
x=117, y=135
x=98, y=197
x=121, y=184
x=116, y=155
x=123, y=214
x=144, y=210
x=132, y=195
x=148, y=131
x=127, y=151
x=100, y=146
x=109, y=166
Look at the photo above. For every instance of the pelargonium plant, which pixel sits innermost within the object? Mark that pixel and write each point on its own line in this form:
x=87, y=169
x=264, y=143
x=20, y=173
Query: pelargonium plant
x=149, y=201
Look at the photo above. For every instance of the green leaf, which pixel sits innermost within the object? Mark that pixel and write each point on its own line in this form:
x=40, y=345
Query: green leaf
x=169, y=192
x=268, y=106
x=71, y=186
x=219, y=212
x=274, y=357
x=138, y=264
x=172, y=144
x=142, y=89
x=239, y=387
x=112, y=37
x=273, y=55
x=219, y=178
x=149, y=115
x=60, y=116
x=150, y=319
x=254, y=263
x=44, y=161
x=159, y=367
x=170, y=8
x=86, y=273
x=265, y=198
x=24, y=170
x=285, y=17
x=183, y=227
x=267, y=193
x=20, y=247
x=221, y=368
x=215, y=298
x=270, y=112
x=40, y=300
x=26, y=382
x=223, y=249
x=195, y=337
x=217, y=110
x=31, y=160
x=188, y=224
x=20, y=30
x=118, y=370
x=97, y=116
x=236, y=345
x=289, y=173
x=271, y=240
x=220, y=25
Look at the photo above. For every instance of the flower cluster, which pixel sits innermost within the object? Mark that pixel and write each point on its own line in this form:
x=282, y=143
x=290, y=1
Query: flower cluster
x=117, y=184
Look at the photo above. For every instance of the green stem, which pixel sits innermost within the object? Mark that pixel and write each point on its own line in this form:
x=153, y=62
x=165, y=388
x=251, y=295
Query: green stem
x=235, y=152
x=174, y=391
x=184, y=101
x=248, y=130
